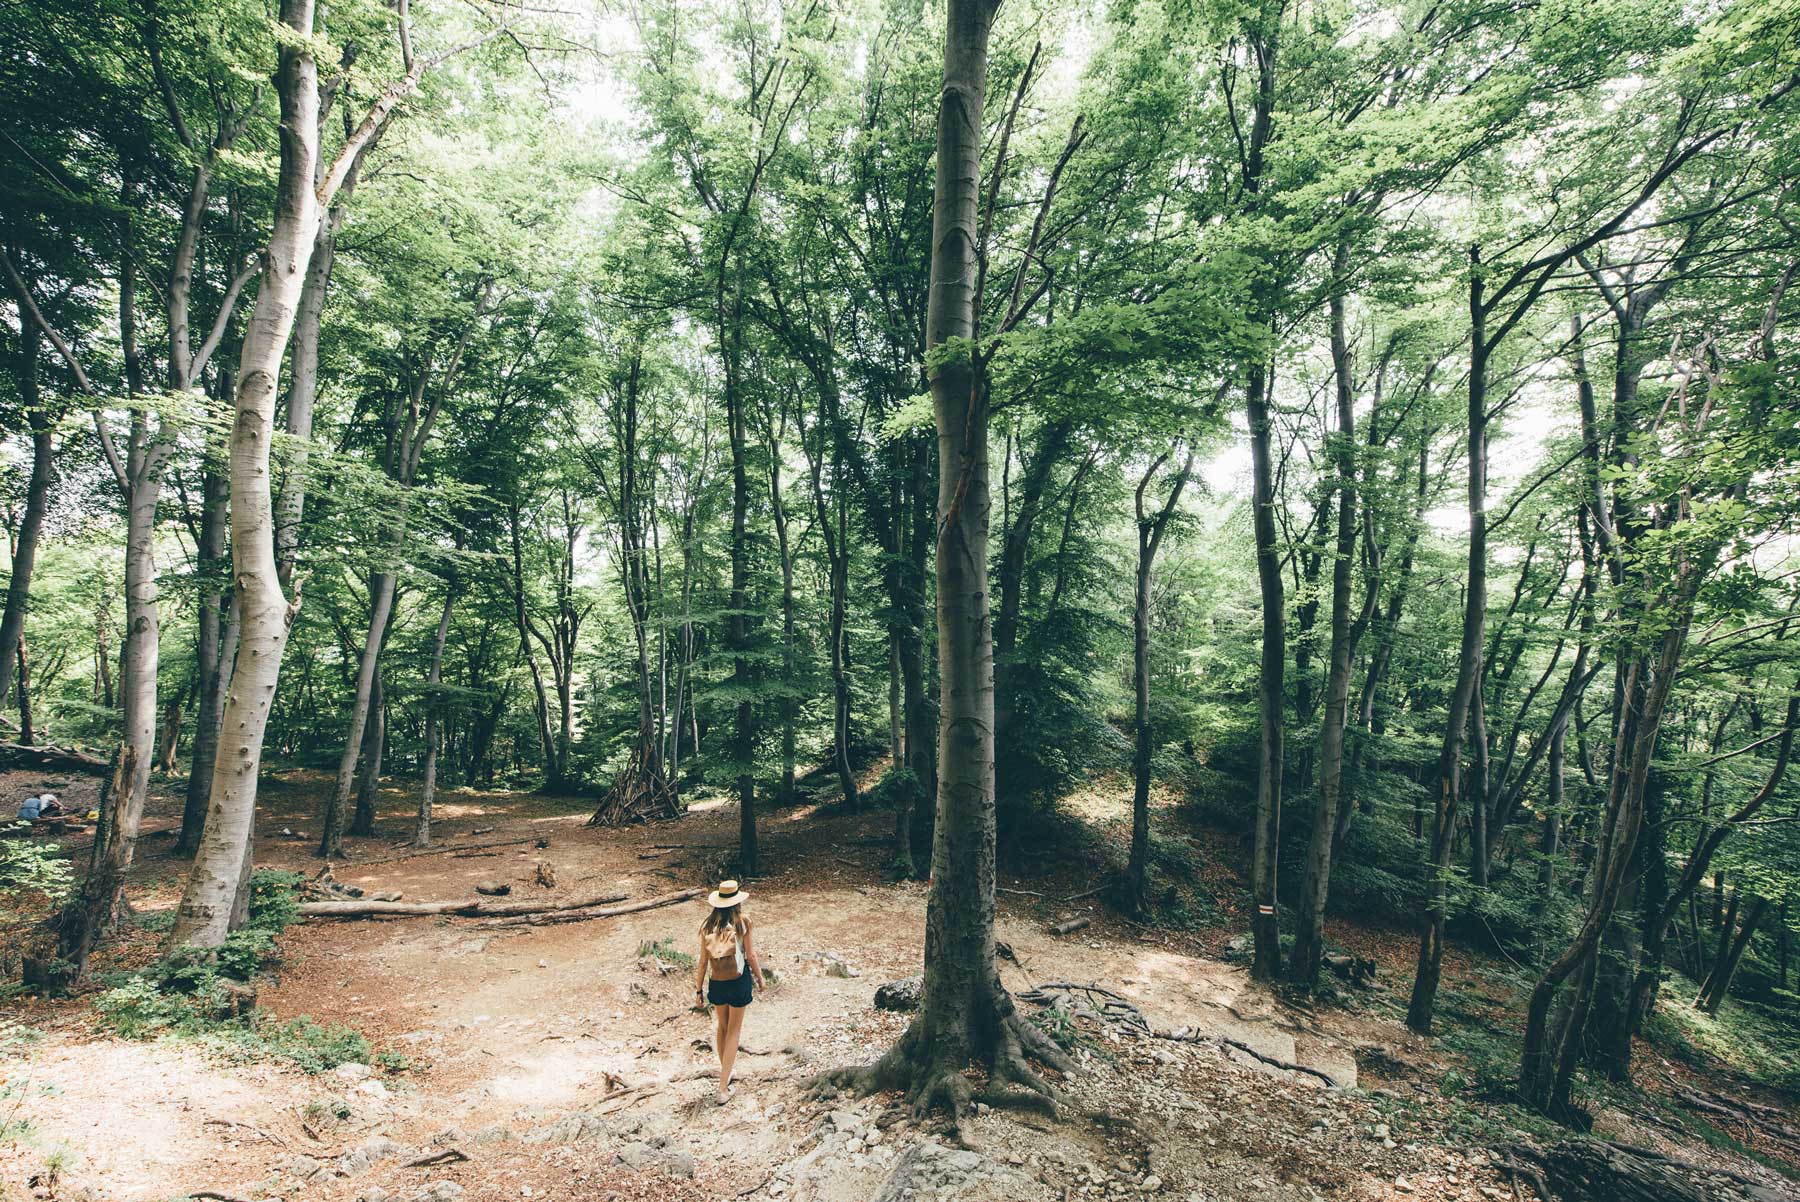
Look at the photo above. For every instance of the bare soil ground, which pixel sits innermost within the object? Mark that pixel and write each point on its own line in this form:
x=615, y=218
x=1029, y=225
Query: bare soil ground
x=561, y=1062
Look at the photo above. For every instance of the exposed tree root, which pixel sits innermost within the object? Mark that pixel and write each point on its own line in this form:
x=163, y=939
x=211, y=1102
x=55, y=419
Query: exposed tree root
x=929, y=1069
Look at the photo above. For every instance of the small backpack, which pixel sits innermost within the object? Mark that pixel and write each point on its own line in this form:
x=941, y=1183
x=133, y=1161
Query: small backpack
x=724, y=953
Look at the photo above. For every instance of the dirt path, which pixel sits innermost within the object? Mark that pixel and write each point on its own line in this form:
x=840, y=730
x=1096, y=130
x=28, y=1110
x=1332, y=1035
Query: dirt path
x=559, y=1062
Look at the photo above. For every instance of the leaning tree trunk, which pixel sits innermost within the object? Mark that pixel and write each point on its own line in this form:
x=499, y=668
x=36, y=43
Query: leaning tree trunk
x=381, y=604
x=213, y=885
x=965, y=1013
x=1717, y=985
x=93, y=912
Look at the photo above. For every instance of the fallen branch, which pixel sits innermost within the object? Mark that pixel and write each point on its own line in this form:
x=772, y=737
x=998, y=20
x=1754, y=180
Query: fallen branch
x=1185, y=1036
x=461, y=909
x=1085, y=893
x=273, y=1139
x=447, y=1156
x=216, y=1196
x=440, y=849
x=546, y=915
x=1277, y=1062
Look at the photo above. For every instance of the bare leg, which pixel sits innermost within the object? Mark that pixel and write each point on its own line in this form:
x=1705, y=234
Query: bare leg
x=728, y=1047
x=721, y=1032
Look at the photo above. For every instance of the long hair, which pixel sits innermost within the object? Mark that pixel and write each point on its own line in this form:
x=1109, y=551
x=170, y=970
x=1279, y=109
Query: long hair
x=721, y=917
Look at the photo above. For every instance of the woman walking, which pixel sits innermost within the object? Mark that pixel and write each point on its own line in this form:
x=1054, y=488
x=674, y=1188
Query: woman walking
x=725, y=953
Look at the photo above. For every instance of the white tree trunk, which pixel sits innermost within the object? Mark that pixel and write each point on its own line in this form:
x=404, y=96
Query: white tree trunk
x=206, y=905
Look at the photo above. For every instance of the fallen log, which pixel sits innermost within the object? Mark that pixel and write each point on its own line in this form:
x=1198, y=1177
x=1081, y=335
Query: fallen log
x=460, y=909
x=440, y=849
x=1586, y=1170
x=51, y=759
x=1070, y=927
x=543, y=916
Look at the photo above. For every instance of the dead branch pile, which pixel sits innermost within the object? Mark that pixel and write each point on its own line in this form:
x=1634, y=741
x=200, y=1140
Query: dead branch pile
x=642, y=792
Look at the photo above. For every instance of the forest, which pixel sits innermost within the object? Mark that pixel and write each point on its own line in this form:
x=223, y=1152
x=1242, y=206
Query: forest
x=1239, y=559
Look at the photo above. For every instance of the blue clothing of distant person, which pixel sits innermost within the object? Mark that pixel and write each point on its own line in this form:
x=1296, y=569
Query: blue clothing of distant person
x=30, y=808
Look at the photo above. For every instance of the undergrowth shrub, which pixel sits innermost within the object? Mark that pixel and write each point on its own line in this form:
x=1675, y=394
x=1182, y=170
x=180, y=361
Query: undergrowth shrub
x=207, y=994
x=664, y=949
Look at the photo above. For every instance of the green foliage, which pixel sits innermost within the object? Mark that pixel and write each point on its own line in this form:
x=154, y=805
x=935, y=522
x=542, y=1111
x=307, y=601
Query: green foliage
x=34, y=879
x=205, y=994
x=1761, y=1042
x=664, y=949
x=897, y=786
x=307, y=1045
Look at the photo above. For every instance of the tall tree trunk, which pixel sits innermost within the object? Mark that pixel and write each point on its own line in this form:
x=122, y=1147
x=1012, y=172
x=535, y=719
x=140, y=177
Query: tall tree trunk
x=42, y=422
x=210, y=562
x=221, y=865
x=1150, y=531
x=965, y=1013
x=790, y=702
x=737, y=627
x=434, y=704
x=553, y=782
x=1448, y=780
x=368, y=782
x=1309, y=933
x=1270, y=697
x=904, y=576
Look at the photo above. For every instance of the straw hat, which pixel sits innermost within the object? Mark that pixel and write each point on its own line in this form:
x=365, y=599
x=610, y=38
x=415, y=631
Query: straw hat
x=725, y=896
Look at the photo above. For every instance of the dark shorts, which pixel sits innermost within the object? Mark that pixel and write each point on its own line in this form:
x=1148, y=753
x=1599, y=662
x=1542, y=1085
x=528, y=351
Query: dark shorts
x=735, y=992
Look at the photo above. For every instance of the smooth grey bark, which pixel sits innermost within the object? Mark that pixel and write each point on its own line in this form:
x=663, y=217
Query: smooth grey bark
x=209, y=556
x=1270, y=697
x=965, y=1012
x=204, y=915
x=215, y=888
